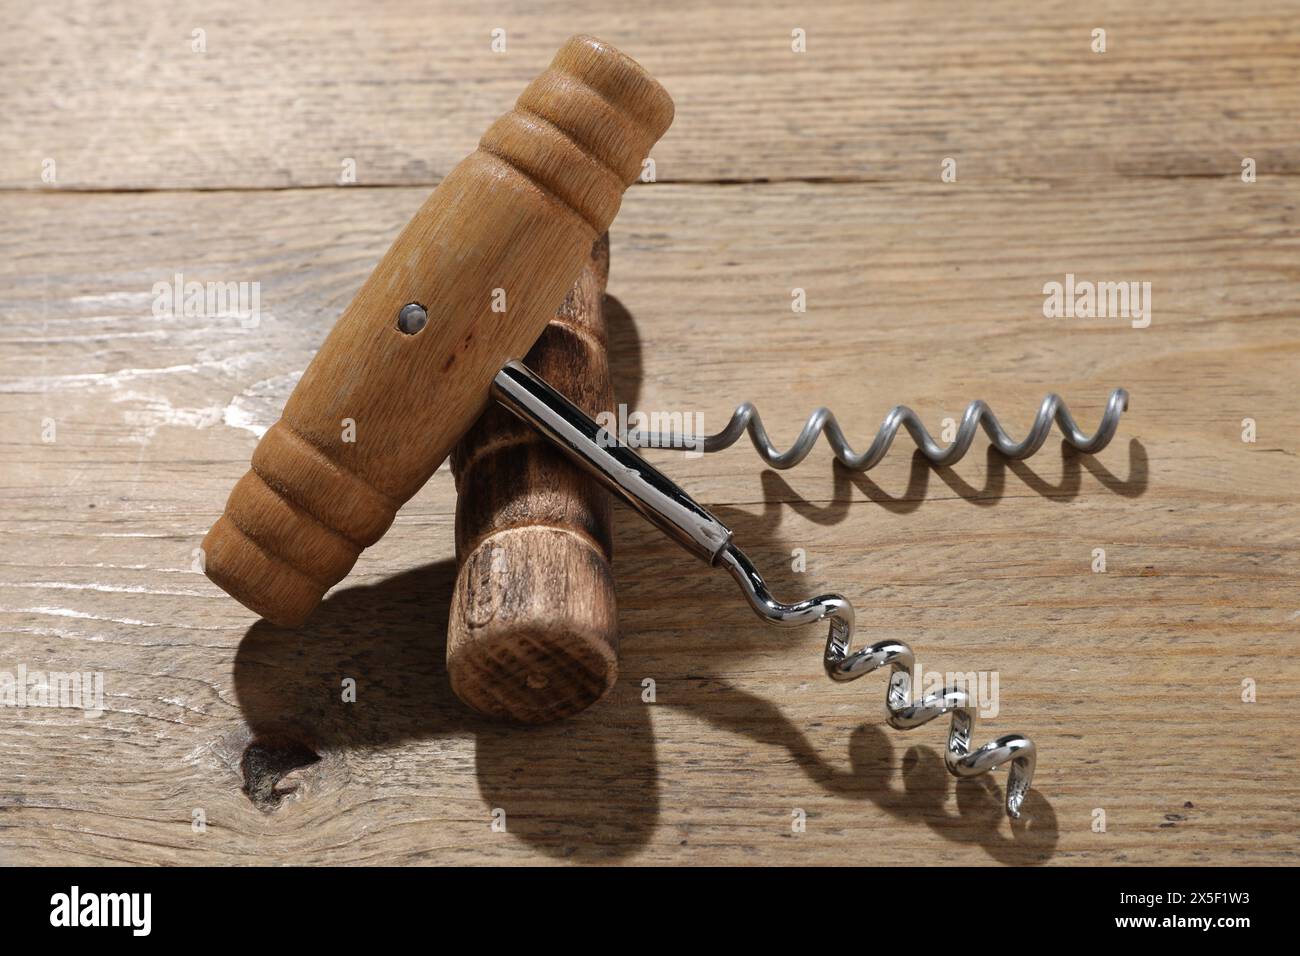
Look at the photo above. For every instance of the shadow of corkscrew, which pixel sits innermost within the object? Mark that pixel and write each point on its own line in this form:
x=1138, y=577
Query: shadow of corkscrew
x=586, y=788
x=778, y=492
x=871, y=773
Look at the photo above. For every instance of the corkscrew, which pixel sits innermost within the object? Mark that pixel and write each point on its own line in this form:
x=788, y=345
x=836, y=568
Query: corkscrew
x=620, y=469
x=413, y=365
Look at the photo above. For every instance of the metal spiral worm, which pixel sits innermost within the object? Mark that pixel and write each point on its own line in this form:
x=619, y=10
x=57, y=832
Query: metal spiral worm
x=653, y=495
x=900, y=711
x=746, y=419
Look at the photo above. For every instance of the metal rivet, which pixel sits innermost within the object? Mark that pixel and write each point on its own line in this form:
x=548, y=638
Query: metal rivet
x=412, y=318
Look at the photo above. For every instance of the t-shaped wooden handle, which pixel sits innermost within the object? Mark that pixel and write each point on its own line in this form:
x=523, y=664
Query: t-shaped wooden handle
x=488, y=258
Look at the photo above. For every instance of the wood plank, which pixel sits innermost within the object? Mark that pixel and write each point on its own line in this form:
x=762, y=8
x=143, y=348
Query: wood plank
x=1130, y=681
x=286, y=92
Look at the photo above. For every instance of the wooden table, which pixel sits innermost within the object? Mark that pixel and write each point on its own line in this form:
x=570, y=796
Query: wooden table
x=124, y=430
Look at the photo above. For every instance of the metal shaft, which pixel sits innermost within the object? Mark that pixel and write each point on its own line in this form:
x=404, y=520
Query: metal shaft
x=629, y=476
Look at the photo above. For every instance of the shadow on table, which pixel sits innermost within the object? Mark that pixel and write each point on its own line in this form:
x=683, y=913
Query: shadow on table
x=586, y=788
x=913, y=792
x=778, y=493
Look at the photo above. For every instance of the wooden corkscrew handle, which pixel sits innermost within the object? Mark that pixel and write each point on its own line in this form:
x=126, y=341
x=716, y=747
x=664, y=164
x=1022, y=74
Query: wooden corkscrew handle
x=533, y=629
x=489, y=257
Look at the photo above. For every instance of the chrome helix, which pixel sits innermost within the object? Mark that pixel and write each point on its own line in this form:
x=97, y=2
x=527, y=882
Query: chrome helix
x=900, y=711
x=822, y=421
x=615, y=464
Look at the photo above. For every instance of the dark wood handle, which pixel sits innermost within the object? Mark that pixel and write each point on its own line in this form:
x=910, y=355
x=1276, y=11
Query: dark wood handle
x=533, y=629
x=489, y=256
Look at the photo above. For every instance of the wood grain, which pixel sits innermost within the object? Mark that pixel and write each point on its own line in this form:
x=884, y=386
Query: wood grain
x=286, y=95
x=1130, y=681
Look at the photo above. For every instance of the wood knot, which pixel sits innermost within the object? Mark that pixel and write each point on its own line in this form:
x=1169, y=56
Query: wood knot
x=266, y=762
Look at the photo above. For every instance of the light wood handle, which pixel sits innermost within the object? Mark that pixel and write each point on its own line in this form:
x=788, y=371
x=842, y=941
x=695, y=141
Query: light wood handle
x=378, y=410
x=533, y=629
